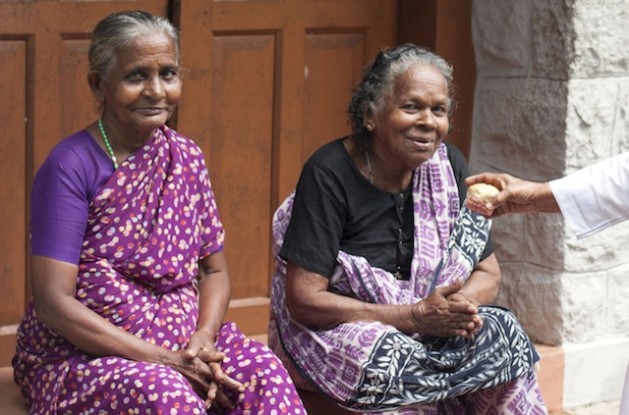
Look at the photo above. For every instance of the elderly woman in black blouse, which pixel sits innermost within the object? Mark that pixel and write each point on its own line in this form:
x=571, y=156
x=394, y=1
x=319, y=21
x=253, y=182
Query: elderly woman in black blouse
x=380, y=297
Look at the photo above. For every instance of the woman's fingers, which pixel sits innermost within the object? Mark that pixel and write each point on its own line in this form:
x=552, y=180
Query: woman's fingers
x=224, y=380
x=233, y=384
x=224, y=401
x=449, y=289
x=211, y=355
x=211, y=394
x=193, y=348
x=438, y=316
x=218, y=400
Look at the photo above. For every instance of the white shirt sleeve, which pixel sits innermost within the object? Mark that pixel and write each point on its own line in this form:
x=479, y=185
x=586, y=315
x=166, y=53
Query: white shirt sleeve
x=595, y=197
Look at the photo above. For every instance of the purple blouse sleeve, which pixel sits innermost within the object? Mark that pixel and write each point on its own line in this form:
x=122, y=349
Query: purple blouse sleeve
x=62, y=190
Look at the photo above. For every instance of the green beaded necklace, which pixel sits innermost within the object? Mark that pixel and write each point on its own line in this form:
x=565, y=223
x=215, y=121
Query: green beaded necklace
x=111, y=150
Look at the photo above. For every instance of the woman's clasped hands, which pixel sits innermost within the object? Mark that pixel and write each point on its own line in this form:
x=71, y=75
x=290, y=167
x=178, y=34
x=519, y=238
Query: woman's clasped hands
x=200, y=364
x=447, y=312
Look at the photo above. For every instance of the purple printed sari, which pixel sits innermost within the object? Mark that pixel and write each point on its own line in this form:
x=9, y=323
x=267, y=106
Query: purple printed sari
x=147, y=228
x=371, y=367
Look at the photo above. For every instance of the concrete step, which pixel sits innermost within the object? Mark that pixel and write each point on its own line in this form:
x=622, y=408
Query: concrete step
x=11, y=401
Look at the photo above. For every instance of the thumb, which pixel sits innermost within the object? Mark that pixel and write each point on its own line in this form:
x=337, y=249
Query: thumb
x=193, y=348
x=450, y=289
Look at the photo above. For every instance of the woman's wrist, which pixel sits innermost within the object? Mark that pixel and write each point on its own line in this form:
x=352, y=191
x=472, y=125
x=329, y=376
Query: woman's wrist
x=462, y=296
x=156, y=354
x=417, y=316
x=208, y=334
x=544, y=199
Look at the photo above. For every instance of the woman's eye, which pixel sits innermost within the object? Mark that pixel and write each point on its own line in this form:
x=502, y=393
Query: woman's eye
x=170, y=74
x=441, y=109
x=135, y=76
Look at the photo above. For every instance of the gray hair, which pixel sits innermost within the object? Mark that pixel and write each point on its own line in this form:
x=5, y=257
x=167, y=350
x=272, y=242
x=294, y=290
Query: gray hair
x=380, y=77
x=119, y=30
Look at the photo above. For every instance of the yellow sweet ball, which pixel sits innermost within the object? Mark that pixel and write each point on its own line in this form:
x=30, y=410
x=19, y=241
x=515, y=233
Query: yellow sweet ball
x=482, y=192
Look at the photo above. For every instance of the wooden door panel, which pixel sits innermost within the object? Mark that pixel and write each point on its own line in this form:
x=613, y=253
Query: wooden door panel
x=13, y=235
x=17, y=108
x=80, y=108
x=333, y=65
x=243, y=72
x=275, y=78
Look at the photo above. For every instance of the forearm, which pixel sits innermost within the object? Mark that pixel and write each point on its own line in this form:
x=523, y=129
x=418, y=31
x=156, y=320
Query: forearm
x=310, y=303
x=478, y=290
x=54, y=284
x=543, y=198
x=214, y=292
x=325, y=310
x=482, y=285
x=94, y=335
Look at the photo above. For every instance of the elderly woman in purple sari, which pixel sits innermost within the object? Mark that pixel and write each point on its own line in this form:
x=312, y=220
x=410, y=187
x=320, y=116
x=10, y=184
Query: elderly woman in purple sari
x=381, y=299
x=130, y=283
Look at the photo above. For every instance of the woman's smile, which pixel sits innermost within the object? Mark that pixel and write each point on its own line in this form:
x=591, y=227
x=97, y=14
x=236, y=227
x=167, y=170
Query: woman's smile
x=151, y=111
x=422, y=144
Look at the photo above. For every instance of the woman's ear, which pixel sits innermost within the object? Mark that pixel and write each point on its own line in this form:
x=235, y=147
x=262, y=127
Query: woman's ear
x=369, y=122
x=96, y=85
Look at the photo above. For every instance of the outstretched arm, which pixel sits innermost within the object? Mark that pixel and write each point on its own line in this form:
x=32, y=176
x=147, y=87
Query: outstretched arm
x=515, y=196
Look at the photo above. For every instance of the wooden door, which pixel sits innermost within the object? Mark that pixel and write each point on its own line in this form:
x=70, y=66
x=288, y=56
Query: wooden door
x=268, y=83
x=44, y=96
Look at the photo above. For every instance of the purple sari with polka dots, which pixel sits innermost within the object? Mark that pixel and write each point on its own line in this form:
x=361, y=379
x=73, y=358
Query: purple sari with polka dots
x=147, y=228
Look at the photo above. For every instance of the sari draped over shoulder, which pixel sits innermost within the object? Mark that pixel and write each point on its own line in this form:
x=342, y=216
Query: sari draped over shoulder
x=147, y=228
x=373, y=367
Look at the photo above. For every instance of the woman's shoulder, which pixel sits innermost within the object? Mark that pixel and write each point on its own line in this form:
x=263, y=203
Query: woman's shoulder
x=76, y=165
x=455, y=155
x=81, y=138
x=184, y=142
x=459, y=166
x=457, y=161
x=329, y=155
x=75, y=148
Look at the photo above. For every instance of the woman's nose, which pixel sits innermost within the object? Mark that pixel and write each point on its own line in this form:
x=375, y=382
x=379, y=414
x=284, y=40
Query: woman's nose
x=426, y=118
x=154, y=88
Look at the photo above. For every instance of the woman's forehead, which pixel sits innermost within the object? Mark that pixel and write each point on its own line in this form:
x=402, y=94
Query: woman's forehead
x=421, y=78
x=156, y=46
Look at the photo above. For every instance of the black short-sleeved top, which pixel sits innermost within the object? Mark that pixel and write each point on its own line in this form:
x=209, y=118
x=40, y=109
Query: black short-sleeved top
x=337, y=208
